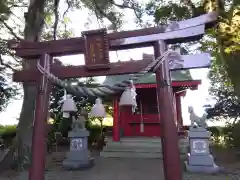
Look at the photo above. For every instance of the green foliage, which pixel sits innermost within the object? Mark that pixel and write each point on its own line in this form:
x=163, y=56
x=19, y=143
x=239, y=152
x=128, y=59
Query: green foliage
x=96, y=139
x=7, y=130
x=224, y=74
x=232, y=136
x=215, y=131
x=57, y=96
x=227, y=105
x=171, y=12
x=5, y=9
x=7, y=92
x=7, y=133
x=227, y=136
x=112, y=11
x=64, y=126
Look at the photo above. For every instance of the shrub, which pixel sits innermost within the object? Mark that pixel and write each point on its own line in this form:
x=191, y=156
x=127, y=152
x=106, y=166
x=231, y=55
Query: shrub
x=7, y=133
x=96, y=139
x=64, y=126
x=215, y=131
x=231, y=135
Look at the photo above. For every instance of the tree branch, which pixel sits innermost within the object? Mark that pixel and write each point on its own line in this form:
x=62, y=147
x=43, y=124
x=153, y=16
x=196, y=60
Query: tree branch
x=5, y=64
x=18, y=6
x=10, y=29
x=66, y=11
x=16, y=17
x=132, y=7
x=192, y=7
x=98, y=11
x=56, y=14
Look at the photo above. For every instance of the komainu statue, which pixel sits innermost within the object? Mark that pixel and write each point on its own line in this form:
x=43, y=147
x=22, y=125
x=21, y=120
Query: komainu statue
x=79, y=122
x=197, y=121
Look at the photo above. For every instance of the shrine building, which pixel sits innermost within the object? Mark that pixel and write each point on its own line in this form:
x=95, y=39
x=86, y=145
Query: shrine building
x=145, y=121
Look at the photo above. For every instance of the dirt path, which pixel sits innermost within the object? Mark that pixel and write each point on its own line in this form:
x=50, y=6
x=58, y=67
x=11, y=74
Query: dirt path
x=118, y=169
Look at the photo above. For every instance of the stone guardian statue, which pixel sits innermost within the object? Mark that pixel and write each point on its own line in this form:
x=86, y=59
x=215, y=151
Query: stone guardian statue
x=196, y=121
x=79, y=122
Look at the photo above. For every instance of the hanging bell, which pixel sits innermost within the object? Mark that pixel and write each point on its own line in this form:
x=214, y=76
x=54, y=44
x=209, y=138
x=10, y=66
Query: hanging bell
x=128, y=97
x=68, y=105
x=98, y=109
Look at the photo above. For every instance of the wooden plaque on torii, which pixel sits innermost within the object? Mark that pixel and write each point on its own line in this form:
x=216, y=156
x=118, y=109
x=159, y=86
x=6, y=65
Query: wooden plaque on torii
x=96, y=49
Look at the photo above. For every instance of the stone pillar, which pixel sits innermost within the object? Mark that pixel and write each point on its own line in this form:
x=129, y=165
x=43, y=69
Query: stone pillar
x=116, y=124
x=78, y=157
x=199, y=158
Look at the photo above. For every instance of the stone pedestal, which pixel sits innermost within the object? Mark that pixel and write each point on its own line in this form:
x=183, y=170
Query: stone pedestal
x=199, y=158
x=78, y=157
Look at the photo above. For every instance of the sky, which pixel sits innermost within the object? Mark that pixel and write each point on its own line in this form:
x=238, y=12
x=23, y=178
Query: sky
x=196, y=98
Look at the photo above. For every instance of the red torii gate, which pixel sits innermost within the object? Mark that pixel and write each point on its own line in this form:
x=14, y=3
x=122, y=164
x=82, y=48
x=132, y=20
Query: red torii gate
x=96, y=45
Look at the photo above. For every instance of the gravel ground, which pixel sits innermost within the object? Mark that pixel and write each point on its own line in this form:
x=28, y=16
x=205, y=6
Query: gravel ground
x=121, y=169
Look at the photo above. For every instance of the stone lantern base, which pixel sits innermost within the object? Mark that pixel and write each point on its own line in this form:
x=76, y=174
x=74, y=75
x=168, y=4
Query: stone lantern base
x=78, y=157
x=199, y=159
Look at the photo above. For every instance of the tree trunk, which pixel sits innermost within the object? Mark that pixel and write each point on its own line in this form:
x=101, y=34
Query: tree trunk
x=34, y=21
x=24, y=133
x=233, y=64
x=227, y=38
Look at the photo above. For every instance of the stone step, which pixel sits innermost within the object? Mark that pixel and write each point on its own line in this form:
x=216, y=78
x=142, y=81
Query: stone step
x=142, y=140
x=138, y=148
x=144, y=150
x=137, y=145
x=139, y=140
x=132, y=145
x=123, y=154
x=183, y=150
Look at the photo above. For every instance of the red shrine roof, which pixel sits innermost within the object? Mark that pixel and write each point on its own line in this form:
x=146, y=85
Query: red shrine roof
x=180, y=78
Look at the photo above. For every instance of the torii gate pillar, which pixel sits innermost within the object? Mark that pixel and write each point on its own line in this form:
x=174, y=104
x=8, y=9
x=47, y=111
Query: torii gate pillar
x=37, y=169
x=171, y=154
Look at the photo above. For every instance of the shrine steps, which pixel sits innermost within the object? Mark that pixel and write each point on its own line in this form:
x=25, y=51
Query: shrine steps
x=137, y=147
x=133, y=148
